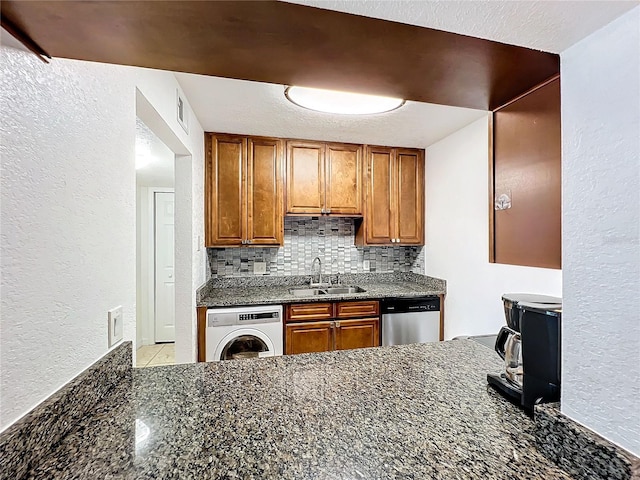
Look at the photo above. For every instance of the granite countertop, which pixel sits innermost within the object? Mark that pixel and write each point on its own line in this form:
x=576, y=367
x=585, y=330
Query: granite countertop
x=263, y=291
x=415, y=411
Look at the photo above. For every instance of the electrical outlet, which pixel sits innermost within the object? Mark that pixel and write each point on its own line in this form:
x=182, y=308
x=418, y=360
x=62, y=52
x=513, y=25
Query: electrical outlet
x=366, y=265
x=116, y=327
x=259, y=268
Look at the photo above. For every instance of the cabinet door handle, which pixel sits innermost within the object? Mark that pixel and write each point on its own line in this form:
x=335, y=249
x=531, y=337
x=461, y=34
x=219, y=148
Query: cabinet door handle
x=393, y=240
x=248, y=242
x=243, y=242
x=323, y=211
x=328, y=211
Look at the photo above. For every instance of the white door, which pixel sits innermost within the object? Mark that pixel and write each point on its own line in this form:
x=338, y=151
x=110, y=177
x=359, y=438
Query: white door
x=165, y=311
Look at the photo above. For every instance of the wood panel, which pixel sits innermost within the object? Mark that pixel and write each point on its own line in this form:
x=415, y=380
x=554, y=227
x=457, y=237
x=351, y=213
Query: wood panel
x=410, y=196
x=264, y=192
x=309, y=311
x=357, y=309
x=201, y=314
x=309, y=337
x=343, y=186
x=305, y=177
x=527, y=168
x=380, y=222
x=289, y=44
x=224, y=195
x=360, y=333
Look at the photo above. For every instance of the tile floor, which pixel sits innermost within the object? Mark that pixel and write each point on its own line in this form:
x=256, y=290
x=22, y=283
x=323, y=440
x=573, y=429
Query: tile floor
x=154, y=355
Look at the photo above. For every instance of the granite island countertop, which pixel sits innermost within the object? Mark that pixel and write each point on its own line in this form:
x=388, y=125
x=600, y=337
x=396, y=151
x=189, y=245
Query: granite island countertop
x=269, y=291
x=416, y=411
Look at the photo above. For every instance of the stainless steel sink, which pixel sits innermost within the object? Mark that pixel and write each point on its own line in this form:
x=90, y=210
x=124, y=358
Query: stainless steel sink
x=306, y=292
x=343, y=290
x=312, y=292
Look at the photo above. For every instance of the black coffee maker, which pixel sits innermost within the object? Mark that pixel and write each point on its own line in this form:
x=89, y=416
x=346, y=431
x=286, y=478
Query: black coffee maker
x=530, y=347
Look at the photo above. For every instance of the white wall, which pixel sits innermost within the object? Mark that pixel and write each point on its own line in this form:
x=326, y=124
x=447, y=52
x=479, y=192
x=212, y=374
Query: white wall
x=457, y=237
x=68, y=215
x=601, y=239
x=67, y=220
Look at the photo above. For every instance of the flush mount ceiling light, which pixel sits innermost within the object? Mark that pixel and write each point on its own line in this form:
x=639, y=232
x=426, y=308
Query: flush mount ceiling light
x=343, y=103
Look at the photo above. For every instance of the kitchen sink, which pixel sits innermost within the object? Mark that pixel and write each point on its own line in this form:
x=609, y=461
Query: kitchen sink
x=311, y=292
x=343, y=290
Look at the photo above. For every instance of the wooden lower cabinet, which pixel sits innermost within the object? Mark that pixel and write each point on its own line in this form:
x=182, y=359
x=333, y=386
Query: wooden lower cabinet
x=309, y=337
x=323, y=327
x=360, y=333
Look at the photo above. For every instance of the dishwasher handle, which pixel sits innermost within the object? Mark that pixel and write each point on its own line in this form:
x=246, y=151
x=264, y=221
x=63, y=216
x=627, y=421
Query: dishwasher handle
x=410, y=305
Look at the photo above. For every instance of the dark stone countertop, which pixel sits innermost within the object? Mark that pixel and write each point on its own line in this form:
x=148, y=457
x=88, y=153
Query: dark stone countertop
x=415, y=411
x=263, y=291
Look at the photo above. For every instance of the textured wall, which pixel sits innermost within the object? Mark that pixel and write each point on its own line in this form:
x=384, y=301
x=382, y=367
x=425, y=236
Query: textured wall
x=458, y=237
x=601, y=240
x=67, y=220
x=305, y=238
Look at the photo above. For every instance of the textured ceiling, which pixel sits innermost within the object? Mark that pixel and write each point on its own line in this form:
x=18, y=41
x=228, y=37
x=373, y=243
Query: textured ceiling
x=550, y=26
x=237, y=106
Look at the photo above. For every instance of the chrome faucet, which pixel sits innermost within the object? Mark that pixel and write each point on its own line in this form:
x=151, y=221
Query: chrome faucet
x=313, y=264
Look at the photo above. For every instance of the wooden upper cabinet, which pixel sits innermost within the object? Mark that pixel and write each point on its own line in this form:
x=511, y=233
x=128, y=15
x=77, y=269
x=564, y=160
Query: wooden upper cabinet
x=324, y=178
x=265, y=224
x=395, y=197
x=224, y=191
x=305, y=177
x=343, y=173
x=243, y=191
x=380, y=213
x=410, y=197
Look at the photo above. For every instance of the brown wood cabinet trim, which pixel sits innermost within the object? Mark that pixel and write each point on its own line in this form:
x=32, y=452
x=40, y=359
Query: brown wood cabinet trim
x=201, y=314
x=300, y=312
x=441, y=317
x=492, y=193
x=355, y=309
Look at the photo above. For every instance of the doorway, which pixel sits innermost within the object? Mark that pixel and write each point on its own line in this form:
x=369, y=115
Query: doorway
x=155, y=265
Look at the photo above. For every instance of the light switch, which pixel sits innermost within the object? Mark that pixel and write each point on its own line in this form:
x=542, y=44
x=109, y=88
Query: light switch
x=259, y=268
x=116, y=327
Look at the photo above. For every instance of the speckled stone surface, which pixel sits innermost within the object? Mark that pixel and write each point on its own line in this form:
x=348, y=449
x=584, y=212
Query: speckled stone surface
x=225, y=292
x=579, y=450
x=405, y=412
x=31, y=438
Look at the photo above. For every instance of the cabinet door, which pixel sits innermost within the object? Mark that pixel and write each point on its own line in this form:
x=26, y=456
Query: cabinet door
x=410, y=197
x=343, y=186
x=359, y=333
x=264, y=192
x=224, y=196
x=305, y=177
x=380, y=221
x=309, y=337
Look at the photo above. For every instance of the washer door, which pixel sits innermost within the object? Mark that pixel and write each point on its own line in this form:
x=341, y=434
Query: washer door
x=244, y=343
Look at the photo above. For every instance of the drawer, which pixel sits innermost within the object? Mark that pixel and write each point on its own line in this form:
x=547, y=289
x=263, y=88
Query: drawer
x=297, y=312
x=367, y=308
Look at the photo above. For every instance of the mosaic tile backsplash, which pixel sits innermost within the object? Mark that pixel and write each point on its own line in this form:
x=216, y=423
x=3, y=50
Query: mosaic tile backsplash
x=305, y=238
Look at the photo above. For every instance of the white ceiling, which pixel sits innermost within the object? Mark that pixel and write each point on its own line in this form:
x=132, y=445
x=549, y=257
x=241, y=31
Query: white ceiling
x=236, y=106
x=159, y=172
x=549, y=25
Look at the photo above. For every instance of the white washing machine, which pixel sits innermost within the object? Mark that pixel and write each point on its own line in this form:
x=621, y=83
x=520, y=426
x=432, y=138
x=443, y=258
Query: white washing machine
x=244, y=332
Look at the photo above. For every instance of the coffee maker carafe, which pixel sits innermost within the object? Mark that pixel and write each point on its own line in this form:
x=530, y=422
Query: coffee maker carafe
x=530, y=348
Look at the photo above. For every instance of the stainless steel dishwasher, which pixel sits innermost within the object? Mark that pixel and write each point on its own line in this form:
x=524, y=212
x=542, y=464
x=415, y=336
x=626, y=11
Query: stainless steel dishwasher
x=410, y=320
